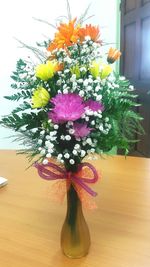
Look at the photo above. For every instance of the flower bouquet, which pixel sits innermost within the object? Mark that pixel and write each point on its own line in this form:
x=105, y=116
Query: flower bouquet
x=72, y=104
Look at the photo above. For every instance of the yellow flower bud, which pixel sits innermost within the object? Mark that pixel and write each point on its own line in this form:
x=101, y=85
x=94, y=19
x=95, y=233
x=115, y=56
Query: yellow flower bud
x=46, y=71
x=75, y=70
x=94, y=69
x=40, y=98
x=99, y=69
x=106, y=70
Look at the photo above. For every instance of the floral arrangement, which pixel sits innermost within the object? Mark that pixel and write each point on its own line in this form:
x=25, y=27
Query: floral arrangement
x=72, y=103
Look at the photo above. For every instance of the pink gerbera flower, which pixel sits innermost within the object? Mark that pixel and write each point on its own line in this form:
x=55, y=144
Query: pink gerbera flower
x=81, y=129
x=67, y=107
x=94, y=105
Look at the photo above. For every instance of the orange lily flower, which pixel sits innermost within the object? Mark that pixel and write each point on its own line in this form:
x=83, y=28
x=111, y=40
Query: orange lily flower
x=67, y=35
x=113, y=55
x=91, y=31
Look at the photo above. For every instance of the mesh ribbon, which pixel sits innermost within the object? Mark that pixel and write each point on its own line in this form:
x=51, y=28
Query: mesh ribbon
x=86, y=174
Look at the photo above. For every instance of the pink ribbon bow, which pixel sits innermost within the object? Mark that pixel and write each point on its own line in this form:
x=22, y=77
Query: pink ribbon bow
x=47, y=174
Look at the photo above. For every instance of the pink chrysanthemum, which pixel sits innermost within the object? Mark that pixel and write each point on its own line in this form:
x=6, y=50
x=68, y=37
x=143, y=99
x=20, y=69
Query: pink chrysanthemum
x=67, y=107
x=94, y=105
x=81, y=129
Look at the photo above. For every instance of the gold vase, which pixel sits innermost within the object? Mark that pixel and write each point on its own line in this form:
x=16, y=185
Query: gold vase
x=75, y=236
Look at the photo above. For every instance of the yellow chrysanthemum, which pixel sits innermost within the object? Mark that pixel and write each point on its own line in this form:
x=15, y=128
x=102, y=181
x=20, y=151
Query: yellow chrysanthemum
x=46, y=71
x=106, y=70
x=40, y=98
x=99, y=69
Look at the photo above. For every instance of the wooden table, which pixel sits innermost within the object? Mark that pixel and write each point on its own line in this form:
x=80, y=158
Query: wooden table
x=30, y=223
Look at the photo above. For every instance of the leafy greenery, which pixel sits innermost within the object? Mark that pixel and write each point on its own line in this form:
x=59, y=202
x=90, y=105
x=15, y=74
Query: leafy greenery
x=22, y=95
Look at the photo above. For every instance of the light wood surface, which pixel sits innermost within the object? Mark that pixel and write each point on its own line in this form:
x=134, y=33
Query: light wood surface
x=30, y=223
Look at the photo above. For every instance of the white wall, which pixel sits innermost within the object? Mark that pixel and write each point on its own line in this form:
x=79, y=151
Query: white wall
x=16, y=21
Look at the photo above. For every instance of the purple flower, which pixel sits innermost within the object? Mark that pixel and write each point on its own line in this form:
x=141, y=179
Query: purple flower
x=81, y=129
x=94, y=105
x=67, y=107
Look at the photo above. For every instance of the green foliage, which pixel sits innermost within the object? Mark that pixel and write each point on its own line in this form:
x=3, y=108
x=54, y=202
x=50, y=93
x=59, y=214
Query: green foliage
x=125, y=122
x=30, y=141
x=22, y=107
x=22, y=95
x=30, y=121
x=125, y=126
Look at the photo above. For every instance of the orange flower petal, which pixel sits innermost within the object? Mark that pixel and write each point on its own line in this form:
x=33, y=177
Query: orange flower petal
x=113, y=55
x=91, y=31
x=67, y=35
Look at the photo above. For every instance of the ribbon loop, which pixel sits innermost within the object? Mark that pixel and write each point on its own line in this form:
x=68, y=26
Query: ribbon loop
x=52, y=171
x=50, y=175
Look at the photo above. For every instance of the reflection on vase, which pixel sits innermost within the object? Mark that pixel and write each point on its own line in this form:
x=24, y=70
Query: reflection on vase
x=75, y=236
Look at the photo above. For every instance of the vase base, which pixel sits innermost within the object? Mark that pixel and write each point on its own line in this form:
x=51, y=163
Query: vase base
x=75, y=256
